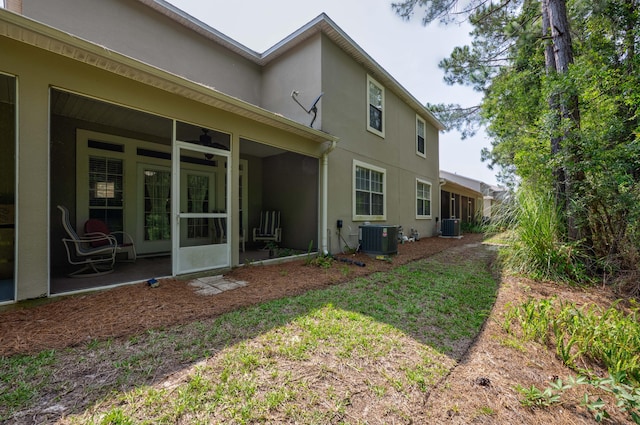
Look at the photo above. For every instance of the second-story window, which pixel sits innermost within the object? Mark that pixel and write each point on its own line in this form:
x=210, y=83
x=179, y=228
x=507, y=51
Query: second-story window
x=375, y=102
x=421, y=147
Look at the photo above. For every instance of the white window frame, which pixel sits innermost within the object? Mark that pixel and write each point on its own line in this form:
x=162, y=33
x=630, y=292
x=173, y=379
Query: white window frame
x=424, y=136
x=419, y=182
x=370, y=128
x=360, y=217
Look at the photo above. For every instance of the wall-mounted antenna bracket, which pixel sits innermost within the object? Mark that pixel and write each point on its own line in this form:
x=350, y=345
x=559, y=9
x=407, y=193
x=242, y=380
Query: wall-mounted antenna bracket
x=312, y=109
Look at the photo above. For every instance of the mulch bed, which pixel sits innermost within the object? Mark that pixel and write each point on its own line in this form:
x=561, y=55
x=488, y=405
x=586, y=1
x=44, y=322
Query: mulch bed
x=131, y=309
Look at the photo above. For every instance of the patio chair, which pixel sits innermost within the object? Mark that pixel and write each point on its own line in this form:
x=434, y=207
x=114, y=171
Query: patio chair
x=97, y=260
x=269, y=229
x=95, y=227
x=220, y=231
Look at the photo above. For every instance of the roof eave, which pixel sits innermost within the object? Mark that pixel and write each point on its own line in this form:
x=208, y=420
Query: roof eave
x=322, y=23
x=28, y=31
x=459, y=187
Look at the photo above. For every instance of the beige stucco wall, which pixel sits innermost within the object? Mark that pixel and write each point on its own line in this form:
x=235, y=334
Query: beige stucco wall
x=32, y=194
x=345, y=115
x=298, y=69
x=136, y=30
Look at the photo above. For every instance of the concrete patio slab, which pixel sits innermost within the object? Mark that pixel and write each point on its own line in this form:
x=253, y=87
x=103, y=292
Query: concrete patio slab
x=212, y=285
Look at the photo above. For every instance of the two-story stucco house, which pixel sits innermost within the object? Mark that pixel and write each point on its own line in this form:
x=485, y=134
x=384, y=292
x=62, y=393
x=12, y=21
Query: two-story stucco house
x=139, y=115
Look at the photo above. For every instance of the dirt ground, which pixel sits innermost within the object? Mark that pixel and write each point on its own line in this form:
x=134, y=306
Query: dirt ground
x=480, y=389
x=127, y=310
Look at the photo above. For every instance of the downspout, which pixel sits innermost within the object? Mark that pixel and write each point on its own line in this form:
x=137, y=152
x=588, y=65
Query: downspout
x=438, y=227
x=325, y=194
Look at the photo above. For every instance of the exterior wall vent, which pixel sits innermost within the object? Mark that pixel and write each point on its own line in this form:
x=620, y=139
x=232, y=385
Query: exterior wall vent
x=378, y=239
x=451, y=227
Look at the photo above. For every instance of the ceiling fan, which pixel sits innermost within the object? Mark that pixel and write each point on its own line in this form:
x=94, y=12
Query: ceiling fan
x=205, y=140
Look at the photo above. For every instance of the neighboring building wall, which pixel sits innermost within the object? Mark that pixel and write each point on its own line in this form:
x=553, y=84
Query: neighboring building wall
x=31, y=258
x=13, y=5
x=460, y=202
x=159, y=41
x=493, y=197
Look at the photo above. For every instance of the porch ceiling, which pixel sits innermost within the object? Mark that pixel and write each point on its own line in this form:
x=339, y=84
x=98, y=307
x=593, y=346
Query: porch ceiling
x=69, y=105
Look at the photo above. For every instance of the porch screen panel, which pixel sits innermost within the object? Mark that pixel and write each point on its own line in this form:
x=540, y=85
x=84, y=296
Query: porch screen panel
x=445, y=204
x=7, y=185
x=157, y=205
x=198, y=202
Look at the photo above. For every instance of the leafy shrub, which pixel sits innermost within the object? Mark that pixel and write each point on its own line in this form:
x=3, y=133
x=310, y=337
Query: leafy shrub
x=609, y=337
x=535, y=249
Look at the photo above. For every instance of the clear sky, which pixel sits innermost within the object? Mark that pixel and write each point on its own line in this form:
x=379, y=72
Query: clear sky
x=408, y=51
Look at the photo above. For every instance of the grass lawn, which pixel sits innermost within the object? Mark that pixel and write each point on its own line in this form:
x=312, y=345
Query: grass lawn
x=368, y=351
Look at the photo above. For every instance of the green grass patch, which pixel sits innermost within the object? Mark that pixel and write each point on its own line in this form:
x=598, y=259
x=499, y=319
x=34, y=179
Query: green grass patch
x=21, y=377
x=299, y=359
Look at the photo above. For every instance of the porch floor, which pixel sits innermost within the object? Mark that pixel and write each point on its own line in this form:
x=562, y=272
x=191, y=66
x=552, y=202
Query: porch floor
x=144, y=268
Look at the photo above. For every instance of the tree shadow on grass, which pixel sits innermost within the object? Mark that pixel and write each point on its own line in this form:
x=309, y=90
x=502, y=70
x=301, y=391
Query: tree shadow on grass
x=440, y=303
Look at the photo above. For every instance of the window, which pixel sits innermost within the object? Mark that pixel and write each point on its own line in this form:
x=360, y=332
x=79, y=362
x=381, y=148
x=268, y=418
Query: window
x=375, y=101
x=421, y=148
x=106, y=184
x=423, y=199
x=369, y=192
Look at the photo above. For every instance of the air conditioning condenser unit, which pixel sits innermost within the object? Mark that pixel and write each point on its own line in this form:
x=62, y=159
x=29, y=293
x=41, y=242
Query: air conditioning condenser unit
x=378, y=239
x=451, y=227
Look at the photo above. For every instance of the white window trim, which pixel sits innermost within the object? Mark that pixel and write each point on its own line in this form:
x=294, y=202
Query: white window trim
x=357, y=217
x=371, y=129
x=427, y=182
x=424, y=127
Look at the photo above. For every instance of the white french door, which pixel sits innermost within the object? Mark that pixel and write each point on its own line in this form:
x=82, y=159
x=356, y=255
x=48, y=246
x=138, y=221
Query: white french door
x=200, y=208
x=154, y=209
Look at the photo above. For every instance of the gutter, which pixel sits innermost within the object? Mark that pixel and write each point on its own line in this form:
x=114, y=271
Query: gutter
x=325, y=195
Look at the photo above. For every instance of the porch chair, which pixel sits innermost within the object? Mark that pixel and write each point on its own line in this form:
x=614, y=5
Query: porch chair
x=219, y=228
x=97, y=260
x=269, y=229
x=94, y=227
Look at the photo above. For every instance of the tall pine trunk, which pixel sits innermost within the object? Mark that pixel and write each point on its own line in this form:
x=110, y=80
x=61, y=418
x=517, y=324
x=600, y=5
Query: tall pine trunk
x=554, y=108
x=564, y=105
